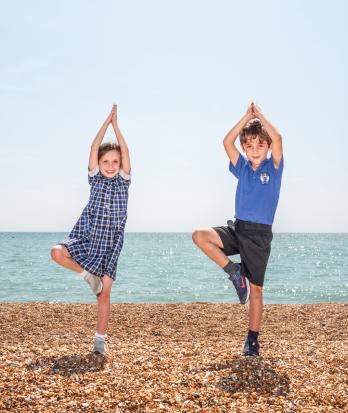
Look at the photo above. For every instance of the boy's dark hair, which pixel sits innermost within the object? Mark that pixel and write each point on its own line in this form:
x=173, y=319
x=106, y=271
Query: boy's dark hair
x=252, y=129
x=106, y=147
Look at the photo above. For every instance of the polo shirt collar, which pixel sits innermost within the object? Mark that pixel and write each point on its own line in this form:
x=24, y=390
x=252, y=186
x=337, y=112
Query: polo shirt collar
x=261, y=165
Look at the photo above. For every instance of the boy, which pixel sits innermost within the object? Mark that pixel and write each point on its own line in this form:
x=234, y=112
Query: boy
x=259, y=180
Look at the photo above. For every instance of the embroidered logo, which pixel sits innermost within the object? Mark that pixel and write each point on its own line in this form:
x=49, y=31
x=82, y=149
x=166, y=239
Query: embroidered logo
x=264, y=177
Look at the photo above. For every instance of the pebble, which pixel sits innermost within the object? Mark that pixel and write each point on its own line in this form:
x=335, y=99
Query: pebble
x=173, y=358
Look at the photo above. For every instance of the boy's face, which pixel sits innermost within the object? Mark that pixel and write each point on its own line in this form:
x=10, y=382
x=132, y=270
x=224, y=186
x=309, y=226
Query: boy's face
x=110, y=163
x=255, y=150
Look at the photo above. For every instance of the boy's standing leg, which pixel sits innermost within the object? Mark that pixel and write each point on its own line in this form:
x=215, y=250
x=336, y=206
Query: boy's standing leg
x=251, y=346
x=209, y=241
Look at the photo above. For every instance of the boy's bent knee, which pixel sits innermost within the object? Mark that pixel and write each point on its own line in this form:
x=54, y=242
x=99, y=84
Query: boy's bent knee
x=199, y=236
x=196, y=235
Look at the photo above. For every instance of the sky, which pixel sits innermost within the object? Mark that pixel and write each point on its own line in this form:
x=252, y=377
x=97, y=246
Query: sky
x=182, y=74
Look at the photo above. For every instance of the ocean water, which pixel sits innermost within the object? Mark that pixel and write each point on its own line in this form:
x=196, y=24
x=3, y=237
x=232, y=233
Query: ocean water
x=169, y=268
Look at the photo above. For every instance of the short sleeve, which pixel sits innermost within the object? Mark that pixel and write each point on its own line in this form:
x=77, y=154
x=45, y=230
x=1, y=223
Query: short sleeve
x=92, y=175
x=280, y=168
x=126, y=177
x=235, y=170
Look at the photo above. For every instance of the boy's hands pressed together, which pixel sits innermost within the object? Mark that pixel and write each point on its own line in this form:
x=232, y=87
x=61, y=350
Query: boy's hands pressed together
x=256, y=110
x=277, y=146
x=250, y=112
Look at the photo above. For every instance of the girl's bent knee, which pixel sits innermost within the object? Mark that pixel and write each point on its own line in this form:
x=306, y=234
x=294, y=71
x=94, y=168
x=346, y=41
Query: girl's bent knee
x=56, y=253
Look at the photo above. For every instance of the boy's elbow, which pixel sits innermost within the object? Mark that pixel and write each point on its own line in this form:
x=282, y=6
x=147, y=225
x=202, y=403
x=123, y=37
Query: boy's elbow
x=277, y=138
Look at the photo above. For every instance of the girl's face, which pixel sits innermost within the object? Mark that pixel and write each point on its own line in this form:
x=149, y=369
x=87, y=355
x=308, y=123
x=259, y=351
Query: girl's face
x=110, y=163
x=256, y=151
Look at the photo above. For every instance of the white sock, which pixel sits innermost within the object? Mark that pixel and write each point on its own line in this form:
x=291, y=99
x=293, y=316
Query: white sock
x=83, y=273
x=100, y=336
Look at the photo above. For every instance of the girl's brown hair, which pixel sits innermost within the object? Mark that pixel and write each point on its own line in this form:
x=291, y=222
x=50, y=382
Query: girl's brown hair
x=253, y=129
x=106, y=147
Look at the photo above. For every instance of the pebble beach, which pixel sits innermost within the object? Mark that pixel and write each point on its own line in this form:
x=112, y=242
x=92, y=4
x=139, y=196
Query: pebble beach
x=173, y=358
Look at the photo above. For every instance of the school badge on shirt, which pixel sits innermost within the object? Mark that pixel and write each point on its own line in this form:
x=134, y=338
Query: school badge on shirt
x=264, y=177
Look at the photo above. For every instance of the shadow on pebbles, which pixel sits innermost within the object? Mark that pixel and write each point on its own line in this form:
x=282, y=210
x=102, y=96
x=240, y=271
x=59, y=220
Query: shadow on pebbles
x=173, y=358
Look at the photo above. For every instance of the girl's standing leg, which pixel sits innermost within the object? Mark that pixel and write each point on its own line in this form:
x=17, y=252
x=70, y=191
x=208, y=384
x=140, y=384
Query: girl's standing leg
x=104, y=305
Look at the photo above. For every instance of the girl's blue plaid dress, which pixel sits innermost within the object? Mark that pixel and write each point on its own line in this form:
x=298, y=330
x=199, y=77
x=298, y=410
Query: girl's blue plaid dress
x=96, y=240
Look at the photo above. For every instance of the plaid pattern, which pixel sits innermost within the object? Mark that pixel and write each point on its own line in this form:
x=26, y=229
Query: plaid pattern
x=96, y=240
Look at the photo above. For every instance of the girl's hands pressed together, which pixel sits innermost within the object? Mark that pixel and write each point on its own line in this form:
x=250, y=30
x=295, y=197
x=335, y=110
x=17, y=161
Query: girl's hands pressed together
x=114, y=114
x=112, y=117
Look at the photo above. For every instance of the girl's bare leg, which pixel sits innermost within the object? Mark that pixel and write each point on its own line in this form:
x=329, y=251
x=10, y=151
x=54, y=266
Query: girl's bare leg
x=62, y=257
x=104, y=305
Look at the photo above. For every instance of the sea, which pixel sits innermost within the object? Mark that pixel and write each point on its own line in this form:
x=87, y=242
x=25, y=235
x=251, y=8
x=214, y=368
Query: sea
x=169, y=268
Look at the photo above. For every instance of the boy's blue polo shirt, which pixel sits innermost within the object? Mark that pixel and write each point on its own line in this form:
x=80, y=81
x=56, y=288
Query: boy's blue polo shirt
x=257, y=191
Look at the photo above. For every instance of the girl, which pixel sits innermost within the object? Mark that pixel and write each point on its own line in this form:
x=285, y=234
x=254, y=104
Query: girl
x=95, y=242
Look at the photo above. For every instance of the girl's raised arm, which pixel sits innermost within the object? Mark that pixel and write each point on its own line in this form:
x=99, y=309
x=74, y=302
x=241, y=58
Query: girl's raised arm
x=125, y=160
x=93, y=155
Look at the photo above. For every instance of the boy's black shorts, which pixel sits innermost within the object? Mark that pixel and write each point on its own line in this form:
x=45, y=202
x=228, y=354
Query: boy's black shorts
x=253, y=242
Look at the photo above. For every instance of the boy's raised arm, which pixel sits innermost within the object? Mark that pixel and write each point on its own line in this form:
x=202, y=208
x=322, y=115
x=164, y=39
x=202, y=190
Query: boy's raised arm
x=231, y=137
x=125, y=159
x=93, y=155
x=277, y=145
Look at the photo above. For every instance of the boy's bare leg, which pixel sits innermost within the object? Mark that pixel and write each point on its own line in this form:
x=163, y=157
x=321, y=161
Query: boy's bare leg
x=104, y=305
x=210, y=243
x=62, y=257
x=255, y=307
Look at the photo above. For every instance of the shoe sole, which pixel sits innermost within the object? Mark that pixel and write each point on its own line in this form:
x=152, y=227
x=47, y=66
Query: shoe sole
x=95, y=291
x=248, y=292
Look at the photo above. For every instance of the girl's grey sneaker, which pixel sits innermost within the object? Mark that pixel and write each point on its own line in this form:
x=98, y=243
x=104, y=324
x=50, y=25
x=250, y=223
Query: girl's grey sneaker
x=94, y=282
x=99, y=346
x=251, y=347
x=241, y=284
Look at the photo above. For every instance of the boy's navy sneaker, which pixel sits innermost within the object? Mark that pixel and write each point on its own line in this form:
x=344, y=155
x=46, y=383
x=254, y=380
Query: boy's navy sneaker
x=251, y=347
x=241, y=284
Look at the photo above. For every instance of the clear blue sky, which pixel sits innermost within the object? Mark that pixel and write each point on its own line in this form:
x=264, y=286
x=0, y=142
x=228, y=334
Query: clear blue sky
x=182, y=73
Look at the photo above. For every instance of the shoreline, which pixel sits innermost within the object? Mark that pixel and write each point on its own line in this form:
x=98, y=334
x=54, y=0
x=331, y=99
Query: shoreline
x=173, y=358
